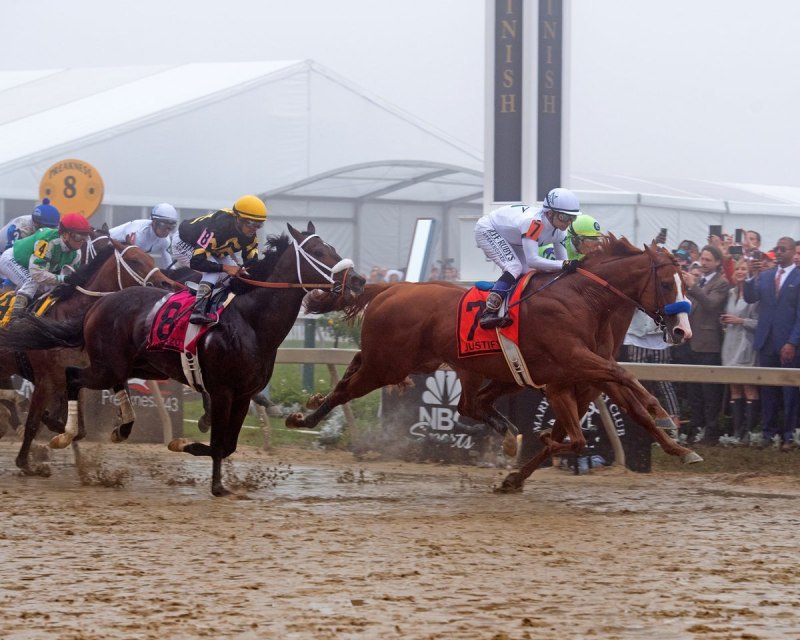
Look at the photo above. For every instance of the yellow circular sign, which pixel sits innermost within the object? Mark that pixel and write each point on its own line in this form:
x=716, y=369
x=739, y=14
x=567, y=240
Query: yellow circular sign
x=72, y=186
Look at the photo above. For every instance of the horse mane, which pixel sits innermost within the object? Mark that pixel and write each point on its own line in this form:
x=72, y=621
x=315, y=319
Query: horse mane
x=82, y=276
x=262, y=269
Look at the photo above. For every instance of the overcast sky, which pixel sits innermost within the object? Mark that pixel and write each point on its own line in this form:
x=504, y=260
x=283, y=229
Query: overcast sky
x=706, y=89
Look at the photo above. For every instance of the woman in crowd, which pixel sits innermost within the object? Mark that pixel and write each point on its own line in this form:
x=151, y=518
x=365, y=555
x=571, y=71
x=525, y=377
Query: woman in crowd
x=739, y=321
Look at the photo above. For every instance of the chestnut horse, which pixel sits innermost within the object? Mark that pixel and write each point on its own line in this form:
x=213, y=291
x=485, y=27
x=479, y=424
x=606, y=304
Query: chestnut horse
x=570, y=328
x=110, y=266
x=237, y=355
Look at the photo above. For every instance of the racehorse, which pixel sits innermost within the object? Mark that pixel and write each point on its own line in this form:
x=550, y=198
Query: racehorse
x=570, y=328
x=237, y=355
x=100, y=276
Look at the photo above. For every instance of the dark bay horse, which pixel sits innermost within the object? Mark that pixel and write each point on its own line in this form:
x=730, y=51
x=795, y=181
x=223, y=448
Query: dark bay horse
x=237, y=355
x=569, y=333
x=110, y=266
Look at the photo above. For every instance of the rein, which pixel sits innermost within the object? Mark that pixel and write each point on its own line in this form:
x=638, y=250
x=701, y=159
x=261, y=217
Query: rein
x=320, y=267
x=656, y=316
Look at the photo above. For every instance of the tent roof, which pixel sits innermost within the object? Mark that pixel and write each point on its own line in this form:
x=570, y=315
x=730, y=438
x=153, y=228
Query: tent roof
x=687, y=188
x=195, y=134
x=399, y=181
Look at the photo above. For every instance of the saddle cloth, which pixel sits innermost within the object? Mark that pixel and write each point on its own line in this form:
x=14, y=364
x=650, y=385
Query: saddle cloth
x=474, y=341
x=170, y=322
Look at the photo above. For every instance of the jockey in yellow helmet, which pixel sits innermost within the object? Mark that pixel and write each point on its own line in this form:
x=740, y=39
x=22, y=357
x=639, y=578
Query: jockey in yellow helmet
x=208, y=244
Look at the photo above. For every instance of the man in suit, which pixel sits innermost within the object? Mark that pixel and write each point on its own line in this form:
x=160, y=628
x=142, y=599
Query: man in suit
x=777, y=336
x=709, y=295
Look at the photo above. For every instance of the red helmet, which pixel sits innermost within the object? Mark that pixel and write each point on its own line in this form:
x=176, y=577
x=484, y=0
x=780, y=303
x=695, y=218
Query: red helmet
x=75, y=223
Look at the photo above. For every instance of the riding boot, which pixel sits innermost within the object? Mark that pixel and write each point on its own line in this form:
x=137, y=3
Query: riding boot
x=491, y=318
x=737, y=416
x=750, y=407
x=21, y=301
x=199, y=315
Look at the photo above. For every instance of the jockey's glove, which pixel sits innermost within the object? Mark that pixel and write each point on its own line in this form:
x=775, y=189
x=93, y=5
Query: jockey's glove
x=570, y=266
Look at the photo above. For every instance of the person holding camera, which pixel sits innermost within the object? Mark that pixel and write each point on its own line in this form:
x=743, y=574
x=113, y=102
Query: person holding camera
x=777, y=337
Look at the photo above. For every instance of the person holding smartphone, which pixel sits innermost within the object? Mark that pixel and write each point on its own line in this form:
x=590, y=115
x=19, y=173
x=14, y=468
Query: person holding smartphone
x=708, y=294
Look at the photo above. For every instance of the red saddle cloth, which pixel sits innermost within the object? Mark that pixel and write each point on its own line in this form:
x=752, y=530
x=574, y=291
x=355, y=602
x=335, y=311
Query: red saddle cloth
x=171, y=320
x=474, y=341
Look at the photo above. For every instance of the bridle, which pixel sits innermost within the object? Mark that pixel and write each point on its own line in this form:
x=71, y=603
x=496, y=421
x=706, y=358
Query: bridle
x=662, y=310
x=119, y=256
x=345, y=264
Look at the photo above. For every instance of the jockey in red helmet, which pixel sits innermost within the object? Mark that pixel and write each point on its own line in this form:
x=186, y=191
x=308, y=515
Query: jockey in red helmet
x=38, y=263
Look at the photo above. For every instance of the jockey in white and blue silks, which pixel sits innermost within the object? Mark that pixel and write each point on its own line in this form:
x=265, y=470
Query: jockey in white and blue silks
x=511, y=236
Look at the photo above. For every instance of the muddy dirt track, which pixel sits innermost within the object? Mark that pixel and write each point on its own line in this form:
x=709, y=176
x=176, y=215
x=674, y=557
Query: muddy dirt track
x=319, y=545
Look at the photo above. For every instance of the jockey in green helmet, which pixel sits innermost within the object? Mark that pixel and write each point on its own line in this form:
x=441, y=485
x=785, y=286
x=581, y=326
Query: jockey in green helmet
x=583, y=237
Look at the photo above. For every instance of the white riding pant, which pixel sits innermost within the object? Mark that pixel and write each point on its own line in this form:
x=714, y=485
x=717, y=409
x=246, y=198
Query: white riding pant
x=183, y=254
x=497, y=248
x=19, y=275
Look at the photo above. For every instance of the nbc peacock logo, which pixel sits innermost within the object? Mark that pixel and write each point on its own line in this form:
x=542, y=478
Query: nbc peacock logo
x=441, y=395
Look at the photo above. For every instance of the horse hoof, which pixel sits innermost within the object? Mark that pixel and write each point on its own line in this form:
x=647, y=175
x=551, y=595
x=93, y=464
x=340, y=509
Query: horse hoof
x=116, y=437
x=178, y=444
x=220, y=491
x=294, y=420
x=511, y=484
x=204, y=423
x=691, y=458
x=61, y=441
x=509, y=445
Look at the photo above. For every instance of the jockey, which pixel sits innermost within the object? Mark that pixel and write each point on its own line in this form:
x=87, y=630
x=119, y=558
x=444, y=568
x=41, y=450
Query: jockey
x=44, y=215
x=38, y=263
x=583, y=237
x=208, y=243
x=510, y=237
x=153, y=234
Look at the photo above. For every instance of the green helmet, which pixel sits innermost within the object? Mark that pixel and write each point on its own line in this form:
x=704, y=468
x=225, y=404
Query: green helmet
x=585, y=226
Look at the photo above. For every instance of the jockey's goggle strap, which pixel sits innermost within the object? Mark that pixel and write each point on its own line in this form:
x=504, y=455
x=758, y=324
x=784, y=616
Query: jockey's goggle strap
x=320, y=267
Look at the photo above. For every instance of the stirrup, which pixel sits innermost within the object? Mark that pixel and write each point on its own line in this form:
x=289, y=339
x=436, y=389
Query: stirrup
x=200, y=317
x=491, y=320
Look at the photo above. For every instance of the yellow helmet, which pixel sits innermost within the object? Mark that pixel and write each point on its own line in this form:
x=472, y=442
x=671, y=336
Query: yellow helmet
x=251, y=208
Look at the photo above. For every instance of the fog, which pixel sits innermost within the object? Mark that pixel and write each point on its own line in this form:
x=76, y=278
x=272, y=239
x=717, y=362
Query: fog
x=705, y=90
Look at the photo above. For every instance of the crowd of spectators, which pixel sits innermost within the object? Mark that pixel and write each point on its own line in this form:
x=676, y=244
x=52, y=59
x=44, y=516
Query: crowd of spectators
x=441, y=270
x=745, y=312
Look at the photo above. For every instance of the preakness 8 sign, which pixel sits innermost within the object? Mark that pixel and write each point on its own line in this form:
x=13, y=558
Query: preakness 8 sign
x=72, y=186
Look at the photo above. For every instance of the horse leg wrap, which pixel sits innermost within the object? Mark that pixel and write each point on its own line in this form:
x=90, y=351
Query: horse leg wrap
x=125, y=407
x=70, y=430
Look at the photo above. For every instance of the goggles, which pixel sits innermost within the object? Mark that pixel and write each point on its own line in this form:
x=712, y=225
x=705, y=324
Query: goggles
x=251, y=224
x=167, y=224
x=565, y=217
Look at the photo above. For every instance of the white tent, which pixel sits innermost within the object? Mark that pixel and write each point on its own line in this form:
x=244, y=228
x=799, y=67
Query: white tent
x=316, y=147
x=200, y=135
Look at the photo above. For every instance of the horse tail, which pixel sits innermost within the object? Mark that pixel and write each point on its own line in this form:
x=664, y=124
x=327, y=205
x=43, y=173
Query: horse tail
x=33, y=333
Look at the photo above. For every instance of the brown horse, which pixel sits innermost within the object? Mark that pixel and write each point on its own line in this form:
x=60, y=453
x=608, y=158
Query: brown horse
x=237, y=355
x=111, y=266
x=570, y=328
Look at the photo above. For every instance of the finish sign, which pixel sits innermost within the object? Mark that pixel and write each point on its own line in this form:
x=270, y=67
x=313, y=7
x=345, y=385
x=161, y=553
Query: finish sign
x=72, y=186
